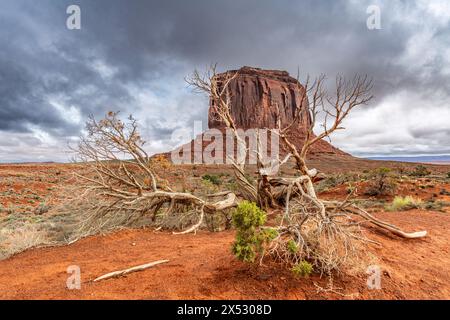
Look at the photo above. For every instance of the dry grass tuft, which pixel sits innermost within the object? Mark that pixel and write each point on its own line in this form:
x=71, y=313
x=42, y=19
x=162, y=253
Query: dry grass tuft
x=16, y=240
x=404, y=203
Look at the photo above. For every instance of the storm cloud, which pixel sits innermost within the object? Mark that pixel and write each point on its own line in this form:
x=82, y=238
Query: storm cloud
x=133, y=56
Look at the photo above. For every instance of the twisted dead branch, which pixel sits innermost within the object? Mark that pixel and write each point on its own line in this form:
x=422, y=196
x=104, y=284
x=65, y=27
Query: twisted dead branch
x=123, y=185
x=119, y=273
x=323, y=232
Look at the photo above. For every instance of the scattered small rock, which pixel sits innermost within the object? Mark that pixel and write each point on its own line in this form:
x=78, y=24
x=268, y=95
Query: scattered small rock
x=264, y=276
x=41, y=209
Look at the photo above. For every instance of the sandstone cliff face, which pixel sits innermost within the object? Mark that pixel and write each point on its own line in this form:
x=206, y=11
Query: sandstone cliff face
x=255, y=95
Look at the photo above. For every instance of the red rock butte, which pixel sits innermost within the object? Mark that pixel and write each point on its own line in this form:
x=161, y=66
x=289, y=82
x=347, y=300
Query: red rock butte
x=256, y=96
x=255, y=93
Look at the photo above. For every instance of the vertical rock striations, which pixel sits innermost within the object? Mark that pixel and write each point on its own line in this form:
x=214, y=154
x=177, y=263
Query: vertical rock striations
x=255, y=95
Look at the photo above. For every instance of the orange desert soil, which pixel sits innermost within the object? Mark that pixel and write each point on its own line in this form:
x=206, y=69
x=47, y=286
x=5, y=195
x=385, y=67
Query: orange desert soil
x=202, y=267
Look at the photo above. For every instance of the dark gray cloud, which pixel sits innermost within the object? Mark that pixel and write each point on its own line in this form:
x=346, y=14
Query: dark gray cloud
x=133, y=56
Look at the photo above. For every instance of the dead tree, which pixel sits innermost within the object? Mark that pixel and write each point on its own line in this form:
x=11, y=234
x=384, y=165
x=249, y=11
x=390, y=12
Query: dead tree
x=125, y=187
x=322, y=231
x=122, y=182
x=349, y=94
x=218, y=90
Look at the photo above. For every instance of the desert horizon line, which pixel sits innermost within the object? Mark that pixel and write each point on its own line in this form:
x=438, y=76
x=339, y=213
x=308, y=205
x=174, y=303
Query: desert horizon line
x=401, y=158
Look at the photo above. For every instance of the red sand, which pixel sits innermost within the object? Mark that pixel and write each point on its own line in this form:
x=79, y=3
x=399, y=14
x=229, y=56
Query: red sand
x=202, y=267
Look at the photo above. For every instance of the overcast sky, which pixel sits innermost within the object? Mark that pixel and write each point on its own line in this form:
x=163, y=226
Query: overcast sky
x=133, y=56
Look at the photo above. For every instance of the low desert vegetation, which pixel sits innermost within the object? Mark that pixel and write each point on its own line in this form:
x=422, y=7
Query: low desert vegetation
x=251, y=238
x=435, y=205
x=404, y=203
x=335, y=180
x=41, y=209
x=214, y=179
x=19, y=239
x=18, y=233
x=381, y=182
x=420, y=171
x=25, y=229
x=302, y=269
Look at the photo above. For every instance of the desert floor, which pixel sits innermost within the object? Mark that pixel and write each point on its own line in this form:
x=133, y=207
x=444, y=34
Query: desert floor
x=201, y=265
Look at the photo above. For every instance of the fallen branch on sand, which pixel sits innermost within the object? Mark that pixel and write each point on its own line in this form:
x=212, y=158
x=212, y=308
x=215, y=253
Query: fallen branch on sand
x=130, y=270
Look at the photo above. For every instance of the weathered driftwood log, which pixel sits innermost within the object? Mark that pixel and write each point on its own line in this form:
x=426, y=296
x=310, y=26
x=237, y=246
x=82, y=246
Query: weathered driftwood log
x=293, y=186
x=384, y=225
x=229, y=202
x=129, y=270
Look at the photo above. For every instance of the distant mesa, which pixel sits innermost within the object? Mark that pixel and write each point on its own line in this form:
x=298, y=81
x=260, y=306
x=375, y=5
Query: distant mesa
x=255, y=95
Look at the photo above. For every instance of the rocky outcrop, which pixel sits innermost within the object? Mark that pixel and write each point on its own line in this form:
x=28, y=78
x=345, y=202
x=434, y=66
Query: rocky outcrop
x=256, y=97
x=257, y=94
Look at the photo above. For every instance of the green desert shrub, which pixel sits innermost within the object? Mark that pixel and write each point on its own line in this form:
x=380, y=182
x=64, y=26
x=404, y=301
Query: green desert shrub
x=213, y=179
x=9, y=210
x=208, y=187
x=404, y=203
x=302, y=269
x=381, y=182
x=292, y=246
x=434, y=205
x=420, y=171
x=336, y=180
x=448, y=174
x=248, y=219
